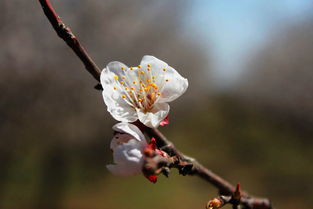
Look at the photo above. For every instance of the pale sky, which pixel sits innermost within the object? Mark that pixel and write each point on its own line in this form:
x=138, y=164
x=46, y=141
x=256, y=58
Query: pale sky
x=232, y=30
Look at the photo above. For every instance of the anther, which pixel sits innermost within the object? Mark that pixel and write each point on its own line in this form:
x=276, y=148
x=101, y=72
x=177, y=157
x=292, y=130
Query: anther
x=139, y=66
x=116, y=77
x=122, y=67
x=134, y=82
x=149, y=65
x=164, y=69
x=123, y=96
x=114, y=88
x=122, y=82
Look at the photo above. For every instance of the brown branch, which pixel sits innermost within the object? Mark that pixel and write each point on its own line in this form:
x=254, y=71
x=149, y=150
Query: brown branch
x=66, y=34
x=224, y=187
x=179, y=160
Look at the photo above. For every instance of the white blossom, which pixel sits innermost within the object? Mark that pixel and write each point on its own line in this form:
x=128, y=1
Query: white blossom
x=127, y=146
x=141, y=92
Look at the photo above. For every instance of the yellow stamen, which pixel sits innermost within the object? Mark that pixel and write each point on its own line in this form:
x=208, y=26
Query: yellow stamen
x=122, y=67
x=164, y=69
x=154, y=85
x=148, y=80
x=149, y=65
x=132, y=88
x=148, y=69
x=122, y=82
x=153, y=77
x=123, y=96
x=131, y=68
x=123, y=77
x=134, y=82
x=126, y=88
x=139, y=66
x=159, y=93
x=114, y=88
x=116, y=77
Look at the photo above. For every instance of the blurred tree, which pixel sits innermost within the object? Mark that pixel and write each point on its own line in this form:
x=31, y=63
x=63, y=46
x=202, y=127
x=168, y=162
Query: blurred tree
x=281, y=77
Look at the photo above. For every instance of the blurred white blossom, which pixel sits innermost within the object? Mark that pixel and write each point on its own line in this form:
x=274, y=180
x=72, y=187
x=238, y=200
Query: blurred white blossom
x=127, y=145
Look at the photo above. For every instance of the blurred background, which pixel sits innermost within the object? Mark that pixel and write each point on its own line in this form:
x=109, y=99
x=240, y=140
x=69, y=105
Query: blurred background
x=247, y=115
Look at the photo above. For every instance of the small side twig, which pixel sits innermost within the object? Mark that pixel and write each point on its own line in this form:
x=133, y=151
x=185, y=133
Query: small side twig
x=218, y=202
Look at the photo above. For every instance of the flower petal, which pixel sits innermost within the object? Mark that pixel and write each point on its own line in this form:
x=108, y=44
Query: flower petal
x=119, y=138
x=153, y=62
x=131, y=130
x=112, y=96
x=153, y=118
x=174, y=86
x=118, y=68
x=130, y=152
x=128, y=158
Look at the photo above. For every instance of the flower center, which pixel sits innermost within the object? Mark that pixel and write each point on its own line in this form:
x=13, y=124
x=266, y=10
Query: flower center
x=141, y=88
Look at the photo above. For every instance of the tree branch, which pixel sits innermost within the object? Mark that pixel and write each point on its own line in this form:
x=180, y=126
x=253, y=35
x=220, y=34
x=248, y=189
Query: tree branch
x=179, y=160
x=224, y=187
x=66, y=34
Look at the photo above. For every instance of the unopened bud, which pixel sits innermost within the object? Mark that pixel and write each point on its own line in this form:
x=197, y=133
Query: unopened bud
x=149, y=152
x=237, y=193
x=214, y=204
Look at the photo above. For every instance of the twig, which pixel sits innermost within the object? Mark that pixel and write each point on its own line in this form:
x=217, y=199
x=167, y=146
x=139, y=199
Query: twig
x=224, y=187
x=66, y=34
x=236, y=199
